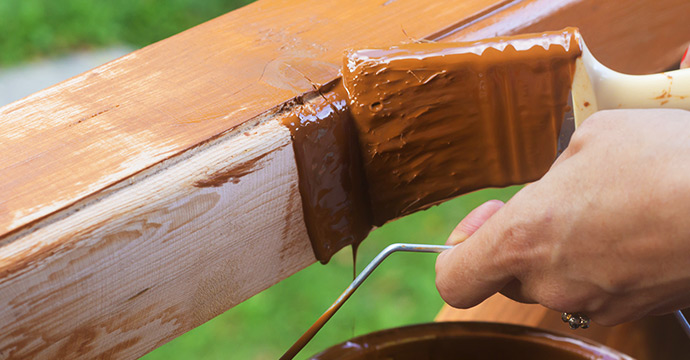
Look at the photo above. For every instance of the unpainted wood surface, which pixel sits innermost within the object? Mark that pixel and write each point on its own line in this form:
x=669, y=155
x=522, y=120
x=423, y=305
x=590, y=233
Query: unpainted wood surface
x=159, y=257
x=67, y=142
x=112, y=246
x=144, y=197
x=72, y=140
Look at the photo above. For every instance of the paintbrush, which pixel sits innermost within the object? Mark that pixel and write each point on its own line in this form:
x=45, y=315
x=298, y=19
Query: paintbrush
x=436, y=120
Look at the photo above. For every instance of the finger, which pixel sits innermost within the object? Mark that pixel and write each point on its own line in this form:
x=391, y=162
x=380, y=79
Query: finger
x=616, y=312
x=516, y=292
x=473, y=221
x=685, y=62
x=473, y=270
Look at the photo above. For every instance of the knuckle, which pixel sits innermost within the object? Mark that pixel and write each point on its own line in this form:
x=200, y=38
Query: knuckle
x=591, y=128
x=521, y=248
x=608, y=319
x=583, y=134
x=445, y=284
x=558, y=302
x=601, y=118
x=560, y=298
x=616, y=285
x=516, y=234
x=448, y=294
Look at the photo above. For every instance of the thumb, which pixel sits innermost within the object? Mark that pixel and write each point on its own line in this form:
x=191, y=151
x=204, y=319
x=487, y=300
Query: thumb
x=685, y=62
x=473, y=221
x=474, y=269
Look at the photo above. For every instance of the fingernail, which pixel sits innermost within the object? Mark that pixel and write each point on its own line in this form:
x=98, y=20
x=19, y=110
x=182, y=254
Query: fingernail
x=473, y=221
x=683, y=62
x=456, y=237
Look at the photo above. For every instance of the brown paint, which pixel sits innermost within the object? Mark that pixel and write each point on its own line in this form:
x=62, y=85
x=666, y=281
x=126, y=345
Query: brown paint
x=184, y=91
x=114, y=352
x=654, y=48
x=30, y=258
x=422, y=123
x=439, y=120
x=355, y=247
x=78, y=343
x=664, y=95
x=469, y=340
x=655, y=337
x=317, y=325
x=648, y=36
x=192, y=87
x=232, y=175
x=334, y=198
x=433, y=121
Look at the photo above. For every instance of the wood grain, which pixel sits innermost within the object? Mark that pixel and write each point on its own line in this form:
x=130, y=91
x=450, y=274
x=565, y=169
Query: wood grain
x=109, y=123
x=159, y=257
x=146, y=196
x=77, y=138
x=128, y=211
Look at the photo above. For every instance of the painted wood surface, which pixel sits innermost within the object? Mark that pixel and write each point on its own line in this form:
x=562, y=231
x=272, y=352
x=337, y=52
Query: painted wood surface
x=630, y=36
x=142, y=198
x=124, y=218
x=77, y=138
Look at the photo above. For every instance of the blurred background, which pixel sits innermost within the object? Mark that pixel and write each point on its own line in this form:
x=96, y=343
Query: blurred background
x=43, y=42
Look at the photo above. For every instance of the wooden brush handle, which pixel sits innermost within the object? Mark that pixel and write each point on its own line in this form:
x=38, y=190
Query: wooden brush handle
x=664, y=90
x=596, y=87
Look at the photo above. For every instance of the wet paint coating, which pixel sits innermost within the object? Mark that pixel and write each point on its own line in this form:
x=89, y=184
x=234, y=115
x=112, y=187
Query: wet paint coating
x=331, y=179
x=414, y=125
x=439, y=120
x=468, y=340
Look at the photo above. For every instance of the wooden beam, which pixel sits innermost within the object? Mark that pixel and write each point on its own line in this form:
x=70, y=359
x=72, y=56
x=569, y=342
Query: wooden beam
x=140, y=265
x=88, y=133
x=123, y=224
x=630, y=36
x=148, y=195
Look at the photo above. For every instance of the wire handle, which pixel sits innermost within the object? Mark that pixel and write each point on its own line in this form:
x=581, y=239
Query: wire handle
x=328, y=314
x=311, y=332
x=683, y=322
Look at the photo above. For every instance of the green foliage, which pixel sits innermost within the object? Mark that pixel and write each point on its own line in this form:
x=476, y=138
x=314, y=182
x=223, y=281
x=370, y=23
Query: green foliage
x=33, y=28
x=400, y=292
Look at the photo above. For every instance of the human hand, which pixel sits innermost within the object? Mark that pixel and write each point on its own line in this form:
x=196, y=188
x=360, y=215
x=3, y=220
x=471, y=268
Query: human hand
x=606, y=232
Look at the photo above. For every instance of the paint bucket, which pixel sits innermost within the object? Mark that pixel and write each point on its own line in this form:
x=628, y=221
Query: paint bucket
x=468, y=340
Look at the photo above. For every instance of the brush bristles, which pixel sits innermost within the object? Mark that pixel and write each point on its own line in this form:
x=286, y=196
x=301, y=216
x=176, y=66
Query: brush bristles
x=438, y=120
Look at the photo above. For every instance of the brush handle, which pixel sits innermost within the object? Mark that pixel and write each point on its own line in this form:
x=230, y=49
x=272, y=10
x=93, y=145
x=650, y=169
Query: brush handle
x=665, y=90
x=597, y=87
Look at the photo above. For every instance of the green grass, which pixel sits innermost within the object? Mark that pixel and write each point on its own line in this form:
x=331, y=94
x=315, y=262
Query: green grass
x=35, y=28
x=400, y=292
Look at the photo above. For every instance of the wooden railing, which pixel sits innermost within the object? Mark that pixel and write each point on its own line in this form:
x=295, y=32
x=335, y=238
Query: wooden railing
x=122, y=223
